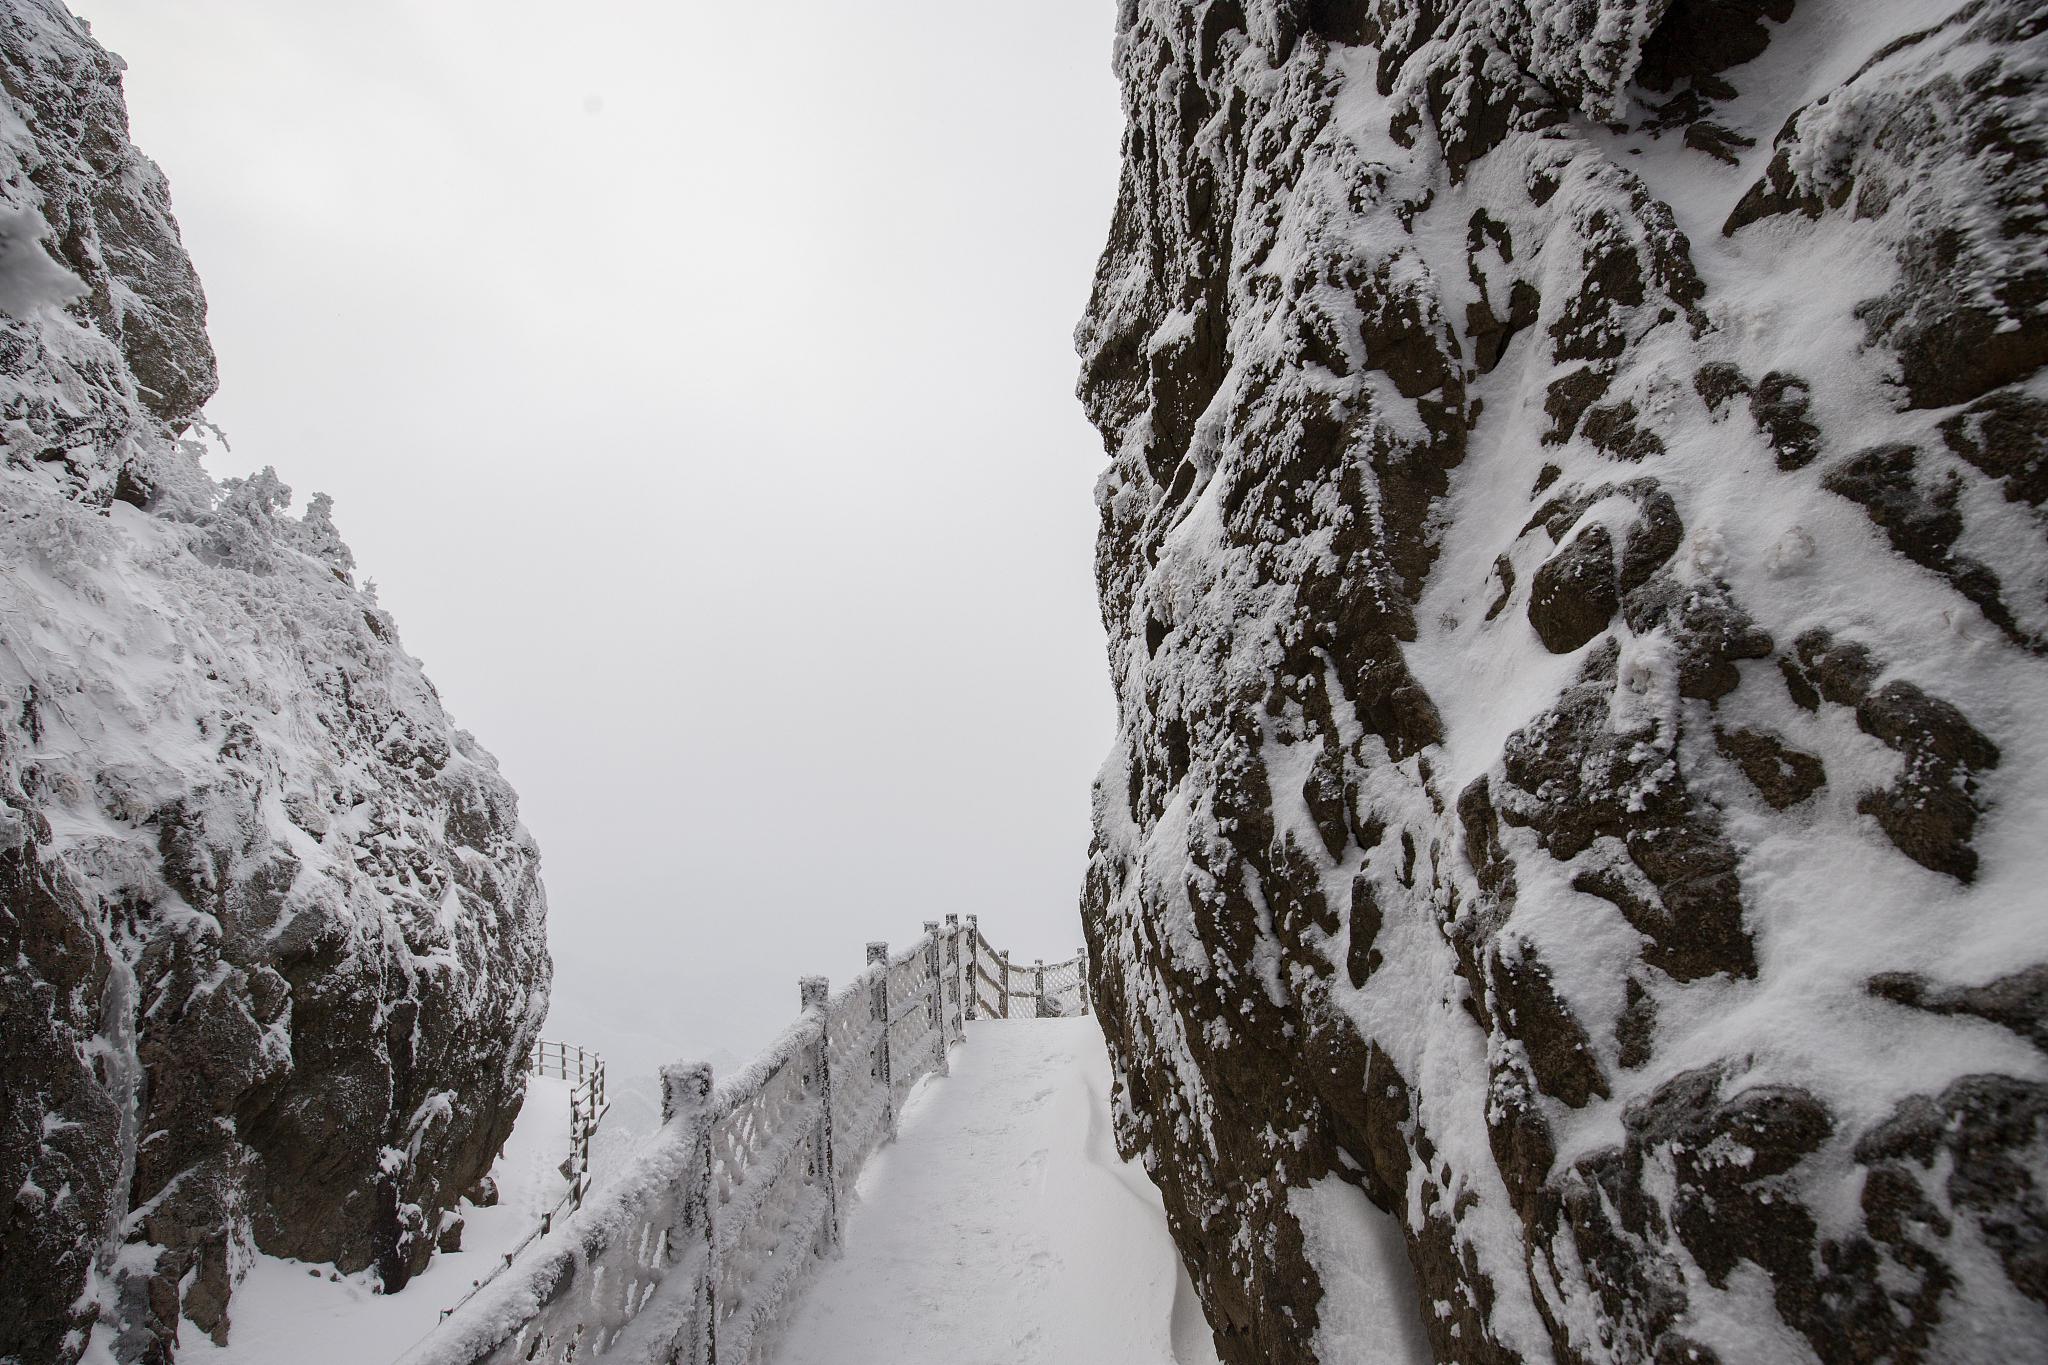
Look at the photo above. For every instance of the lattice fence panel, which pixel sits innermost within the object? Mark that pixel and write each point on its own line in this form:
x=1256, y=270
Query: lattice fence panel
x=860, y=1098
x=768, y=1199
x=699, y=1246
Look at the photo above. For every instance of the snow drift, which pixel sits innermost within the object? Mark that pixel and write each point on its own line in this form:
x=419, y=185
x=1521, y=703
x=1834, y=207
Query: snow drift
x=271, y=934
x=1575, y=565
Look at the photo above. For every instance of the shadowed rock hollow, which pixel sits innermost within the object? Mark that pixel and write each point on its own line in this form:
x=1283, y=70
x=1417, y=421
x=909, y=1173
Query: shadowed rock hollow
x=1576, y=576
x=271, y=934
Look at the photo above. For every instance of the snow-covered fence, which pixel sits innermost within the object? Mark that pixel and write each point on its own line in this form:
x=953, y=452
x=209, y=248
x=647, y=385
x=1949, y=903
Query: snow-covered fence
x=696, y=1251
x=1000, y=989
x=584, y=1071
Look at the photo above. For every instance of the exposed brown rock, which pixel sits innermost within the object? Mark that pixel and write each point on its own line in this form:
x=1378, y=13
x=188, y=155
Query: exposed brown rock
x=1919, y=512
x=1824, y=669
x=2005, y=435
x=1931, y=808
x=1783, y=776
x=1575, y=594
x=1779, y=404
x=2018, y=1001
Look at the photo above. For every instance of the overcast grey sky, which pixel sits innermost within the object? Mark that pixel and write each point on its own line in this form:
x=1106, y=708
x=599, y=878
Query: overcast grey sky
x=695, y=380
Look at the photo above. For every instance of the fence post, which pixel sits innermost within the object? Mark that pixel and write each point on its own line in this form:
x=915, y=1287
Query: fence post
x=579, y=1148
x=938, y=1005
x=1005, y=959
x=971, y=1002
x=1038, y=988
x=1081, y=975
x=583, y=1146
x=686, y=1090
x=878, y=956
x=814, y=992
x=952, y=956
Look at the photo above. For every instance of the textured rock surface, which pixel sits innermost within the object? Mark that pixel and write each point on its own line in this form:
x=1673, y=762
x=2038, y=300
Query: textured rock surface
x=1573, y=556
x=271, y=946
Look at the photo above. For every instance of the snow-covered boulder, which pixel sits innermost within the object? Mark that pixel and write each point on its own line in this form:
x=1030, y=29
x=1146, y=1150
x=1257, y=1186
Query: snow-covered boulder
x=271, y=934
x=1576, y=569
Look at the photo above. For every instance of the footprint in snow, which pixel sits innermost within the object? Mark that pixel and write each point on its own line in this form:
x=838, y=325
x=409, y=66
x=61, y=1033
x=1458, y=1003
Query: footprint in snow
x=1027, y=1105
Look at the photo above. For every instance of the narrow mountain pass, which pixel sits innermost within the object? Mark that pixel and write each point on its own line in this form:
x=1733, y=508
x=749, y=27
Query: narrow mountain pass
x=1001, y=1228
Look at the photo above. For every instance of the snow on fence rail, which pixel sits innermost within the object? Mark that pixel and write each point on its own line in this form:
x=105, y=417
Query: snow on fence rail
x=695, y=1252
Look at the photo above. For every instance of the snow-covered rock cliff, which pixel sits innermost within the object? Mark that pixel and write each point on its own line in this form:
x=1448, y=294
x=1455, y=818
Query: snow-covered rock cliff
x=271, y=934
x=1576, y=574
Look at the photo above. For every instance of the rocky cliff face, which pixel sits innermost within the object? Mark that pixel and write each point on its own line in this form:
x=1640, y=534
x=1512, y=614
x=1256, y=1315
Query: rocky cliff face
x=1576, y=573
x=271, y=946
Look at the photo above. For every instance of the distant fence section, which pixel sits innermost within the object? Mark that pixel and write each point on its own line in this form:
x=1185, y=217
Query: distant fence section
x=1038, y=989
x=696, y=1251
x=583, y=1069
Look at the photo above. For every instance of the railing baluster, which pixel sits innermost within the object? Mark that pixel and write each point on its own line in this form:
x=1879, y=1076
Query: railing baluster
x=815, y=991
x=951, y=957
x=686, y=1090
x=973, y=955
x=938, y=997
x=878, y=958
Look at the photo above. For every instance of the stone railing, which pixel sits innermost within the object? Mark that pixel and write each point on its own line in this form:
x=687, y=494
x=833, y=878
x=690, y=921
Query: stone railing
x=697, y=1250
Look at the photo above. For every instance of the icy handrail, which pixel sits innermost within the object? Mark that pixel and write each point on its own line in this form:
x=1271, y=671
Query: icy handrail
x=697, y=1250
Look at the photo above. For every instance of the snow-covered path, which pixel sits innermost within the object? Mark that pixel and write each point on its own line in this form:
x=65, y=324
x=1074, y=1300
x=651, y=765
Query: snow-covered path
x=1002, y=1229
